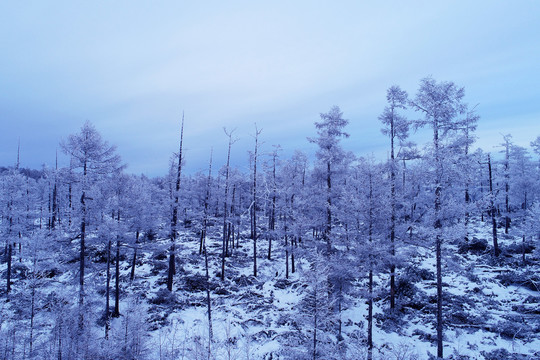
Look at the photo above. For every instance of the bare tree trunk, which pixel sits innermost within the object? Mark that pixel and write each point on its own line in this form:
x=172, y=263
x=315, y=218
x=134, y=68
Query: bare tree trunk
x=254, y=231
x=286, y=258
x=205, y=223
x=507, y=182
x=226, y=205
x=315, y=324
x=272, y=218
x=59, y=353
x=438, y=241
x=370, y=276
x=293, y=244
x=370, y=315
x=233, y=217
x=116, y=312
x=81, y=262
x=134, y=261
x=9, y=256
x=492, y=212
x=439, y=298
x=392, y=216
x=108, y=292
x=523, y=250
x=328, y=227
x=174, y=221
x=54, y=199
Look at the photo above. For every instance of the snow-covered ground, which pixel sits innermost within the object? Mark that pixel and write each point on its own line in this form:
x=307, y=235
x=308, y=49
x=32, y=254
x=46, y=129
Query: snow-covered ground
x=252, y=317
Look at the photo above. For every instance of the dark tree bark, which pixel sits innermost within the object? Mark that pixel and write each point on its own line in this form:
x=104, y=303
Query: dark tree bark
x=108, y=292
x=203, y=244
x=293, y=245
x=9, y=256
x=254, y=202
x=506, y=183
x=54, y=209
x=174, y=220
x=392, y=218
x=492, y=212
x=226, y=205
x=328, y=227
x=523, y=250
x=82, y=250
x=438, y=241
x=396, y=128
x=272, y=217
x=370, y=276
x=134, y=261
x=116, y=312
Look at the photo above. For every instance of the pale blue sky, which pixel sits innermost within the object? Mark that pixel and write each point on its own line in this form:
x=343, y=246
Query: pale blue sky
x=132, y=67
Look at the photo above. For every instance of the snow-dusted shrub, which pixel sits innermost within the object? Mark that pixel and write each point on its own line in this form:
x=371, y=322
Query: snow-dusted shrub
x=415, y=274
x=194, y=283
x=502, y=354
x=158, y=267
x=513, y=328
x=405, y=287
x=422, y=335
x=390, y=320
x=519, y=247
x=400, y=351
x=163, y=297
x=474, y=246
x=527, y=279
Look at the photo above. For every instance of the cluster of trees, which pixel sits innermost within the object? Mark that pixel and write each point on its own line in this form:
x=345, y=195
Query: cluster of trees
x=349, y=217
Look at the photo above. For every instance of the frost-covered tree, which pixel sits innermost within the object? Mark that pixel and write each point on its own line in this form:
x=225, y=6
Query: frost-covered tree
x=330, y=161
x=226, y=204
x=294, y=195
x=369, y=210
x=506, y=144
x=397, y=129
x=254, y=193
x=441, y=104
x=464, y=139
x=94, y=159
x=315, y=318
x=13, y=225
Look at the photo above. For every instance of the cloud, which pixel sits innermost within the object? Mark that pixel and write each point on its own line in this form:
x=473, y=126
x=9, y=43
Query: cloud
x=131, y=68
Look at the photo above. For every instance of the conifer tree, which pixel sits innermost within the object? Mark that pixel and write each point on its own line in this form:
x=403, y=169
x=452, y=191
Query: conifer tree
x=330, y=156
x=441, y=104
x=95, y=159
x=397, y=128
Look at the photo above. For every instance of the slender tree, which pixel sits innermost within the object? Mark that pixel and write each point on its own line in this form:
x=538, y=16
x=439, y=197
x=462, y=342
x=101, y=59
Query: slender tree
x=492, y=210
x=272, y=217
x=254, y=201
x=226, y=202
x=396, y=128
x=108, y=292
x=441, y=104
x=507, y=144
x=203, y=244
x=96, y=158
x=174, y=219
x=330, y=156
x=469, y=126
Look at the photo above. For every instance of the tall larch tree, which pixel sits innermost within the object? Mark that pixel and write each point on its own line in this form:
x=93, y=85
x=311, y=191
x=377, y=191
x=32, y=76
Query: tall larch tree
x=441, y=104
x=396, y=127
x=330, y=155
x=94, y=158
